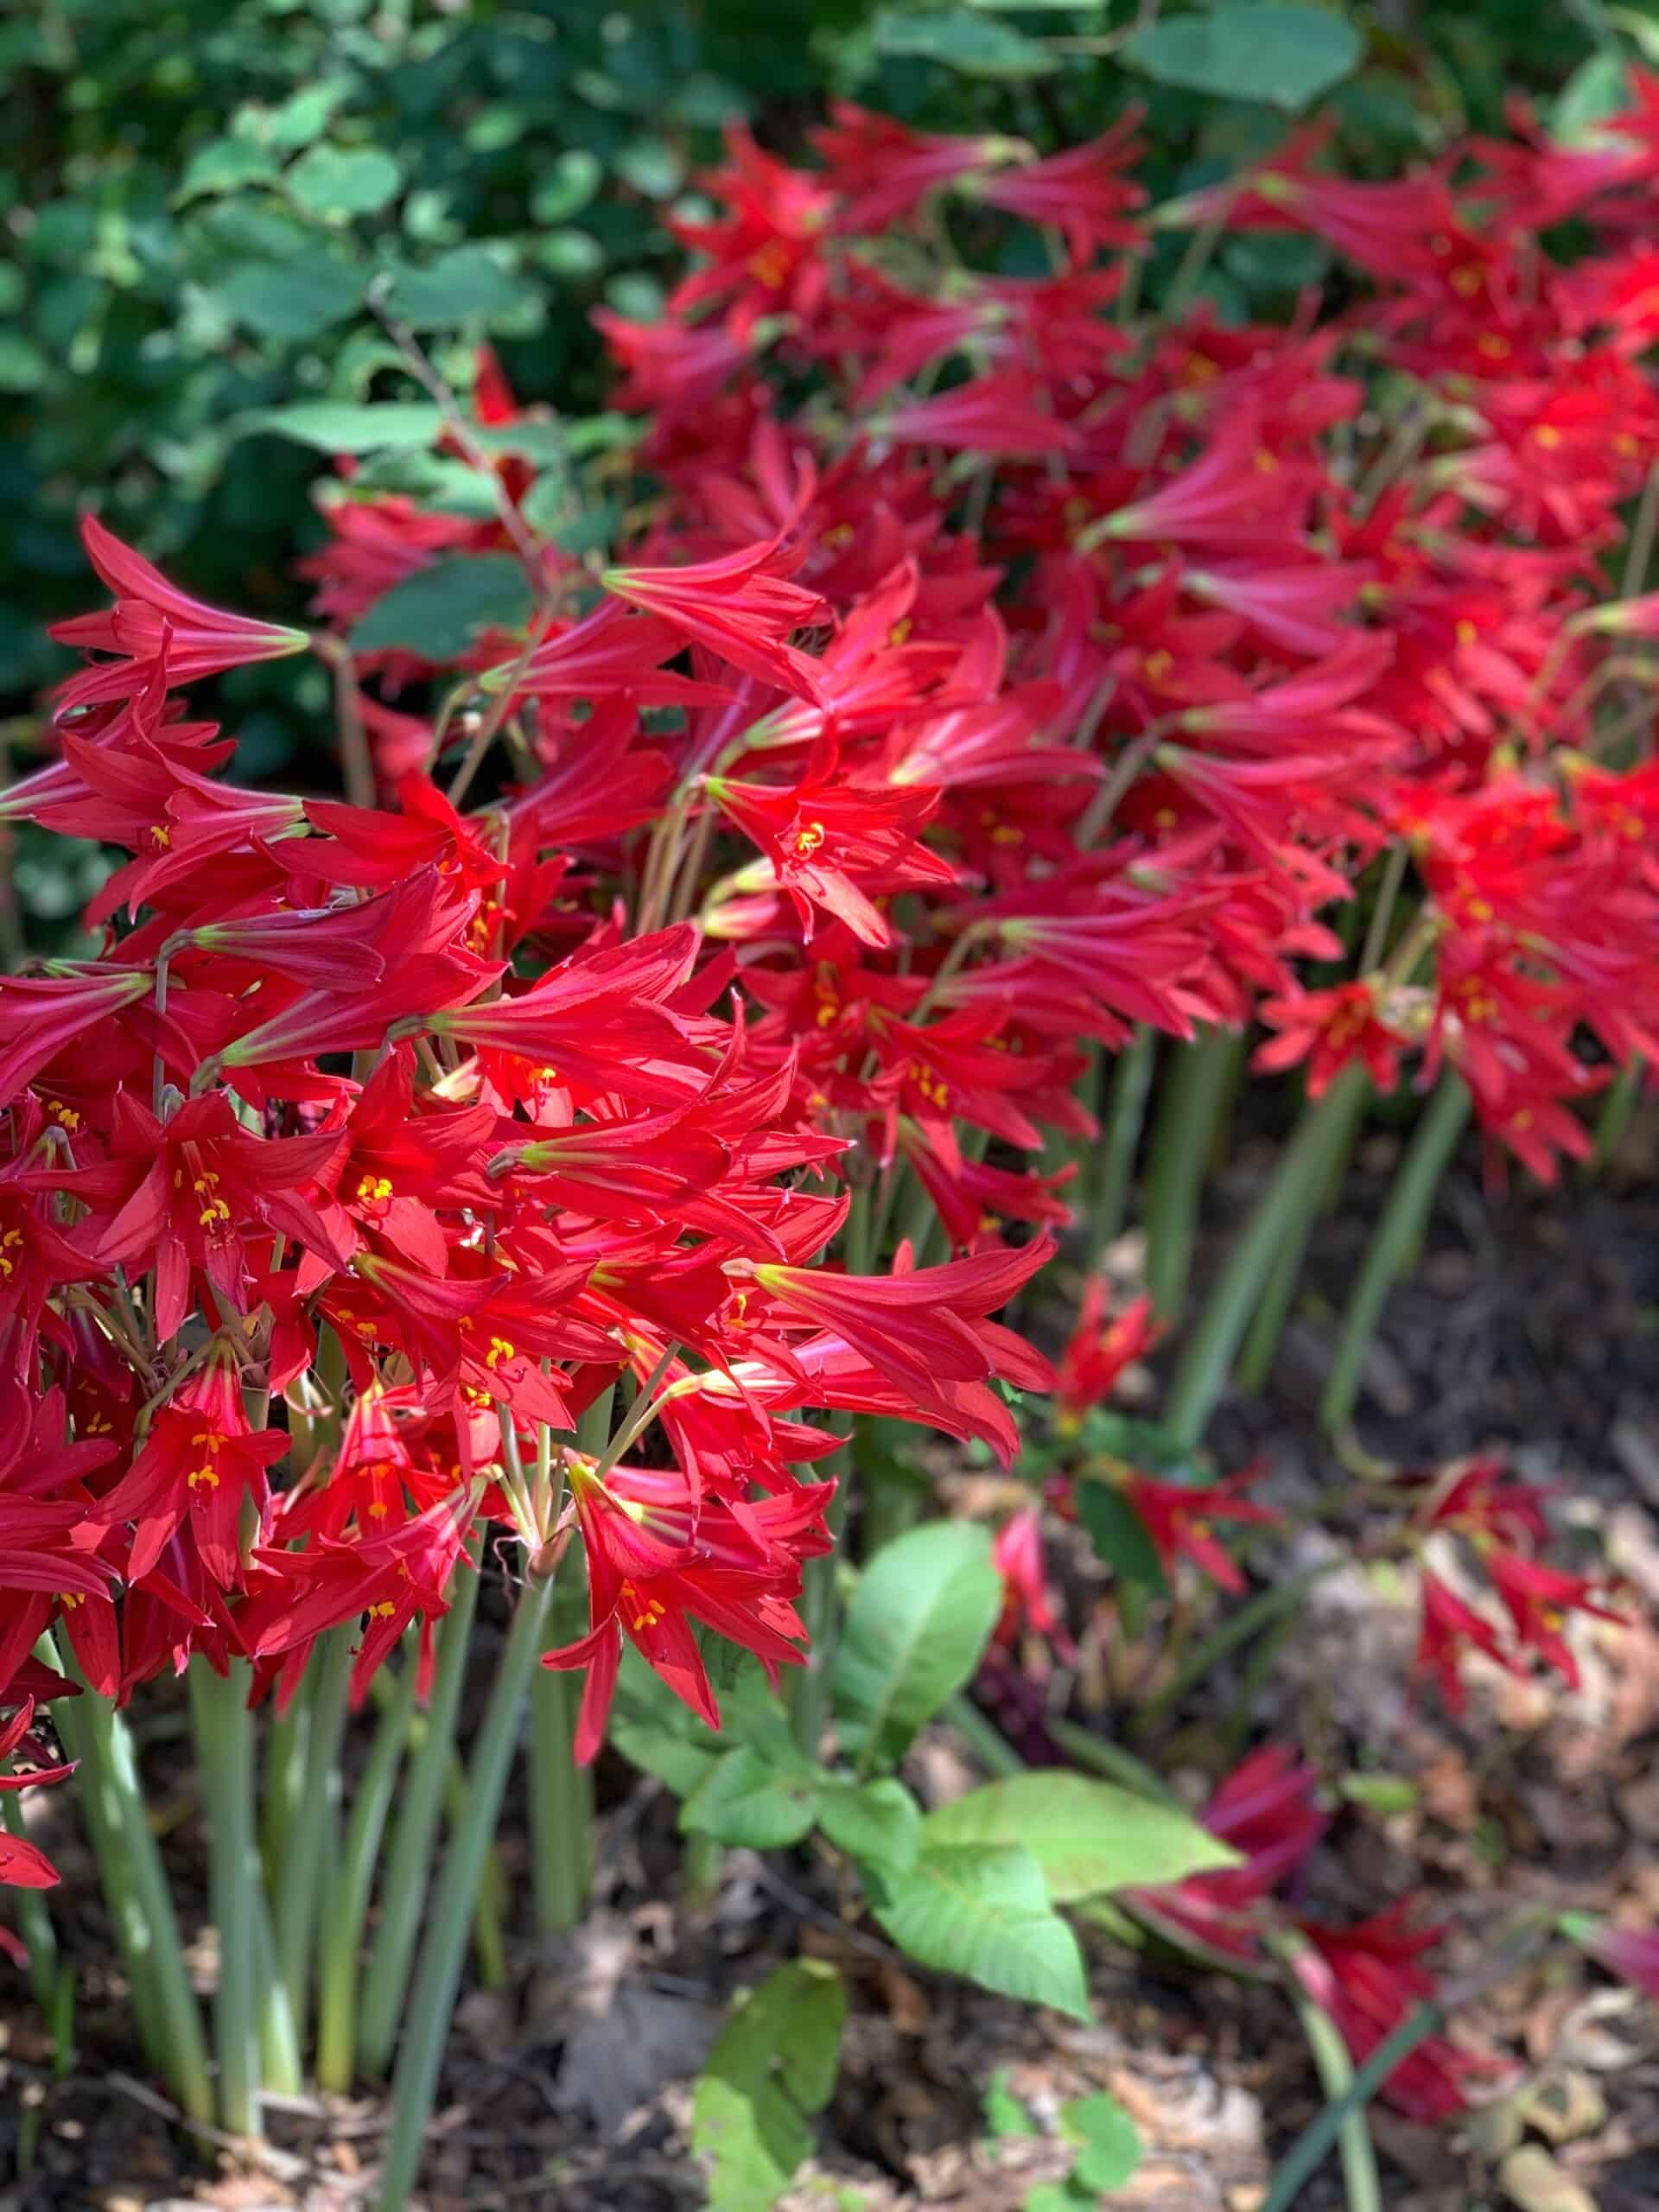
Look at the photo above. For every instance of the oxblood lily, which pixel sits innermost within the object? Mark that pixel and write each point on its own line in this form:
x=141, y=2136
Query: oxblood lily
x=660, y=1556
x=1018, y=1557
x=1539, y=1601
x=1181, y=1520
x=1329, y=1031
x=41, y=1014
x=151, y=617
x=1097, y=1351
x=1369, y=1979
x=1084, y=191
x=1266, y=1810
x=742, y=607
x=1450, y=1630
x=23, y=1864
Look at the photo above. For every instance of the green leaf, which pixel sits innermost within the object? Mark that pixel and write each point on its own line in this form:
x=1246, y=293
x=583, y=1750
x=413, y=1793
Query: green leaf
x=467, y=282
x=224, y=165
x=290, y=299
x=1110, y=2141
x=745, y=1799
x=773, y=2066
x=1005, y=2114
x=1598, y=90
x=676, y=1761
x=1284, y=57
x=982, y=1912
x=1059, y=2196
x=1119, y=1535
x=918, y=1621
x=23, y=367
x=879, y=1823
x=439, y=611
x=1087, y=1836
x=333, y=426
x=567, y=187
x=976, y=44
x=344, y=180
x=301, y=117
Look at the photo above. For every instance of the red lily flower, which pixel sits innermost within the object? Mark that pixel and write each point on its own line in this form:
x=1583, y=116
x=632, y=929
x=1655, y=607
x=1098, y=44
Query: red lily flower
x=1097, y=1351
x=1450, y=1630
x=1266, y=1810
x=742, y=607
x=1539, y=1601
x=1181, y=1520
x=1367, y=1977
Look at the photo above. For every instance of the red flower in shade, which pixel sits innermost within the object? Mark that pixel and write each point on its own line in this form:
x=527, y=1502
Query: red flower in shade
x=1368, y=1977
x=1018, y=1557
x=1266, y=1810
x=203, y=1462
x=151, y=618
x=41, y=1014
x=742, y=607
x=1539, y=1601
x=994, y=414
x=1180, y=1519
x=1097, y=1351
x=23, y=1865
x=660, y=1556
x=1450, y=1630
x=1083, y=191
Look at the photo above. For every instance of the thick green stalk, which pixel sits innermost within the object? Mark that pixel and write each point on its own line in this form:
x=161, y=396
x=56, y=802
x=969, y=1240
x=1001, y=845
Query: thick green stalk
x=1113, y=1163
x=224, y=1734
x=1617, y=1110
x=561, y=1792
x=1397, y=1238
x=279, y=2043
x=300, y=1877
x=402, y=1896
x=1202, y=1375
x=1262, y=1344
x=282, y=1789
x=1302, y=2161
x=349, y=1889
x=1188, y=1112
x=444, y=1948
x=135, y=1887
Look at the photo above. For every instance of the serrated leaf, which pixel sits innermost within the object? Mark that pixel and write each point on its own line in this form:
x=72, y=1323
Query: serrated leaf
x=1088, y=1837
x=879, y=1823
x=982, y=1910
x=1120, y=1537
x=1284, y=57
x=773, y=2066
x=917, y=1624
x=1110, y=2139
x=290, y=299
x=976, y=44
x=224, y=165
x=746, y=1800
x=344, y=180
x=461, y=285
x=334, y=426
x=439, y=611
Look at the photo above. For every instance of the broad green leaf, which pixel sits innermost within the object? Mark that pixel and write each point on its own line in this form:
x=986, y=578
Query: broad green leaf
x=1110, y=2139
x=344, y=180
x=290, y=299
x=773, y=2066
x=1285, y=56
x=745, y=1799
x=1119, y=1534
x=301, y=117
x=674, y=1759
x=1087, y=1836
x=333, y=426
x=1598, y=90
x=1059, y=2196
x=467, y=282
x=879, y=1823
x=439, y=611
x=918, y=1621
x=23, y=367
x=982, y=1910
x=964, y=39
x=225, y=165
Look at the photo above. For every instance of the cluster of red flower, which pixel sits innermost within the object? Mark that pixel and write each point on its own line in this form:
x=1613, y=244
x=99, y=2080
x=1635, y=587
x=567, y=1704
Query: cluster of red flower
x=1005, y=712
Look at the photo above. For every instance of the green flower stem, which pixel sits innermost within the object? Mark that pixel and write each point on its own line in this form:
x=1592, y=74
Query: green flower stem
x=1617, y=1110
x=1361, y=2183
x=561, y=1792
x=402, y=1896
x=224, y=1734
x=1306, y=2153
x=135, y=1887
x=349, y=1888
x=279, y=2045
x=1189, y=1110
x=1397, y=1236
x=1262, y=1344
x=283, y=1785
x=300, y=1877
x=49, y=1976
x=489, y=1944
x=444, y=1948
x=1202, y=1375
x=1114, y=1160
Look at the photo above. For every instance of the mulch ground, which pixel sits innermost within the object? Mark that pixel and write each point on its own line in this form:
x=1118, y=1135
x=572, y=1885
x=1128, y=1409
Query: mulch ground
x=1529, y=1326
